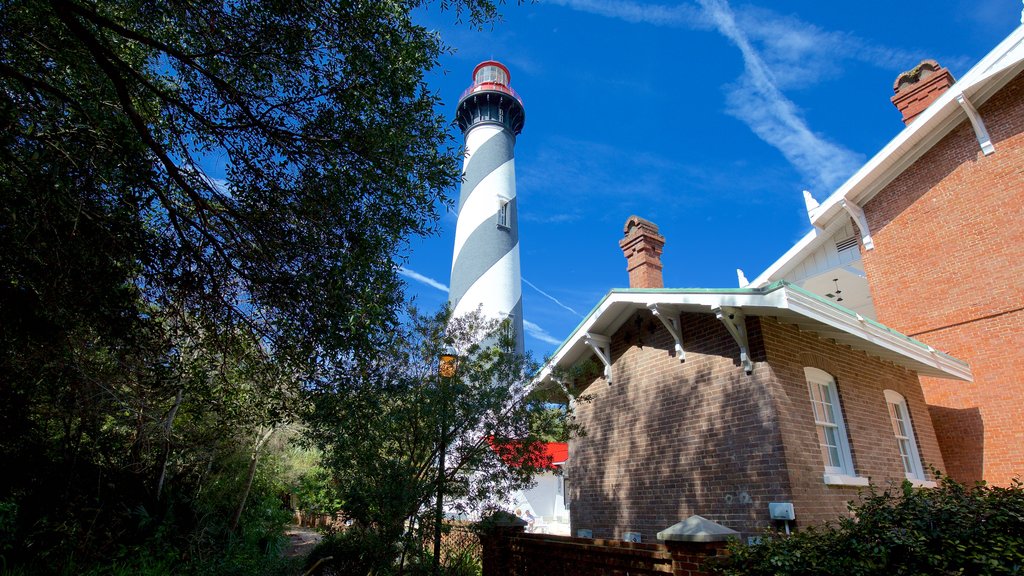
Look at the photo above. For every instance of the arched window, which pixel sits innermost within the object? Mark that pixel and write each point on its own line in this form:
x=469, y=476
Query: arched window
x=831, y=430
x=903, y=430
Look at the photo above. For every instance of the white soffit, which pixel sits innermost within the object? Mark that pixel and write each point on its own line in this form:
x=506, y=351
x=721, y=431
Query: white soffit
x=812, y=241
x=787, y=303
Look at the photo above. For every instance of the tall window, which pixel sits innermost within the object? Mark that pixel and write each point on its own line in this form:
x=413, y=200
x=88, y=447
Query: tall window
x=904, y=432
x=828, y=419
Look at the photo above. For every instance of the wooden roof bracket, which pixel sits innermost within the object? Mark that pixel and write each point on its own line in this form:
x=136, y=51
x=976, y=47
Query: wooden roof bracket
x=602, y=347
x=735, y=323
x=979, y=125
x=862, y=222
x=671, y=322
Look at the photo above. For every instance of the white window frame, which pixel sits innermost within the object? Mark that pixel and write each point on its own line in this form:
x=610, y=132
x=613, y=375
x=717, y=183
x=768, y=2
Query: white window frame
x=896, y=404
x=843, y=474
x=503, y=217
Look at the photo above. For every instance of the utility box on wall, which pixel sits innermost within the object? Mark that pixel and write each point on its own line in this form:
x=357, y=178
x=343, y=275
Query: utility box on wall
x=781, y=511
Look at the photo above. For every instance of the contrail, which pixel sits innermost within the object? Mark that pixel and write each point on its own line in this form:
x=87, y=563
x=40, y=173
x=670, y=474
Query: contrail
x=421, y=278
x=550, y=297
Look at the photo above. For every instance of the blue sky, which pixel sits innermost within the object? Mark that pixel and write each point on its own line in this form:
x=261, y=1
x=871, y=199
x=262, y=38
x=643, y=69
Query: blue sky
x=708, y=118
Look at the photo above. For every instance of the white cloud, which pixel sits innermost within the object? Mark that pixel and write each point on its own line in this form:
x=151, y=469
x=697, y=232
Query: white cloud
x=793, y=51
x=800, y=53
x=539, y=333
x=421, y=278
x=679, y=15
x=756, y=100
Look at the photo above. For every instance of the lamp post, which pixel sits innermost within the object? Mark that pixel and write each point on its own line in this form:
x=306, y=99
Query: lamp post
x=447, y=365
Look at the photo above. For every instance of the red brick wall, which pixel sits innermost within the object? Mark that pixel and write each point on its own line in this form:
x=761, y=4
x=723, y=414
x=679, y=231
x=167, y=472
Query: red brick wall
x=668, y=440
x=861, y=381
x=948, y=269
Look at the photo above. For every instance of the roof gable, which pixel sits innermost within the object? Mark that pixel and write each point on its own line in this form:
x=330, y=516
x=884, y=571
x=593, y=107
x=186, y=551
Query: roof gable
x=977, y=86
x=980, y=83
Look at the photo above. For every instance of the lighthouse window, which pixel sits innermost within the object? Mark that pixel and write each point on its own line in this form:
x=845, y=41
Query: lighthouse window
x=491, y=74
x=503, y=217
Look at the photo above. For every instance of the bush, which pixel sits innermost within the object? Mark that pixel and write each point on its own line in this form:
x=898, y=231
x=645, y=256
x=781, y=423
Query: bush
x=355, y=551
x=358, y=551
x=950, y=529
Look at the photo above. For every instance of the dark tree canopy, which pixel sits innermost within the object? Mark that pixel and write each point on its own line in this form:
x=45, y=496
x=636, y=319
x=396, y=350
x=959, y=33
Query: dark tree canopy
x=332, y=149
x=151, y=315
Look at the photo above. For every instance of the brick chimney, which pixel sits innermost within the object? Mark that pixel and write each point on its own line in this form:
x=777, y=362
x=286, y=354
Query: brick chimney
x=916, y=89
x=642, y=248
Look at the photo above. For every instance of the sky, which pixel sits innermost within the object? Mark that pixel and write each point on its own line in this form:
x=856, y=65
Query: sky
x=708, y=118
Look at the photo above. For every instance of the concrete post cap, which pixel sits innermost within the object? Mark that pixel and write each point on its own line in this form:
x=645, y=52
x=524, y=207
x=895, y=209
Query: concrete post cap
x=504, y=520
x=697, y=529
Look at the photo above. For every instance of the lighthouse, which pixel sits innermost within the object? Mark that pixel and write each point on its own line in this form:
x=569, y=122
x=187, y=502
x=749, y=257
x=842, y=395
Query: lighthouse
x=485, y=264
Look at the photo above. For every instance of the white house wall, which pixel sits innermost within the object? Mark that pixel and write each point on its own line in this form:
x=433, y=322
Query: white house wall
x=835, y=259
x=828, y=256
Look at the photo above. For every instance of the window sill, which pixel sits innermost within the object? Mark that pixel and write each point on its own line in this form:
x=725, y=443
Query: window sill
x=844, y=480
x=922, y=483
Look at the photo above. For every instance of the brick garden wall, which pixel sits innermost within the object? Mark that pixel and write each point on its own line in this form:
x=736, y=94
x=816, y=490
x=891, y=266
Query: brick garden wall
x=668, y=440
x=948, y=269
x=509, y=553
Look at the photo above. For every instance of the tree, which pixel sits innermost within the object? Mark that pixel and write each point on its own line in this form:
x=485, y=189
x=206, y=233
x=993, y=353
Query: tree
x=119, y=252
x=383, y=439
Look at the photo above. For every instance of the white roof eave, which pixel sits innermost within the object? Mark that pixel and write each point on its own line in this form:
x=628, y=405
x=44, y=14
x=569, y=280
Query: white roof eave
x=978, y=84
x=784, y=301
x=922, y=358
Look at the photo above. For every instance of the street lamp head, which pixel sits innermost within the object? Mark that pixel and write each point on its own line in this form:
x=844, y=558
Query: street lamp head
x=449, y=362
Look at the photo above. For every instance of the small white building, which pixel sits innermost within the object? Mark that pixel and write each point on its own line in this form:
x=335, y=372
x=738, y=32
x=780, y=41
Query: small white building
x=546, y=499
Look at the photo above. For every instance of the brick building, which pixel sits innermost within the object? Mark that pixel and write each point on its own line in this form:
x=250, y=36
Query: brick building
x=718, y=402
x=928, y=237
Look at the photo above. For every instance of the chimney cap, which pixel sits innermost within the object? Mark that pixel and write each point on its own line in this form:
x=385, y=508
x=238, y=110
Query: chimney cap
x=638, y=222
x=920, y=72
x=916, y=89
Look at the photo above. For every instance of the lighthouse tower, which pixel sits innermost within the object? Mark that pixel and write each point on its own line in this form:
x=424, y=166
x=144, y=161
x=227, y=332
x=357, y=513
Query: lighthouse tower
x=485, y=265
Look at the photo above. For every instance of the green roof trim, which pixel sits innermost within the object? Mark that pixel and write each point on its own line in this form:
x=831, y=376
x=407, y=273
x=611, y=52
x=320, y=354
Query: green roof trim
x=777, y=285
x=878, y=325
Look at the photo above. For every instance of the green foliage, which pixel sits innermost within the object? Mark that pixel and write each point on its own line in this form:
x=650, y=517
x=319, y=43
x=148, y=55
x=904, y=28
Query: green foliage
x=360, y=551
x=950, y=529
x=553, y=421
x=464, y=563
x=157, y=325
x=317, y=492
x=8, y=514
x=357, y=551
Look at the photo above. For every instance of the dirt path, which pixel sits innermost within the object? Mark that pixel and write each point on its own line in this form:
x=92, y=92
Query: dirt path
x=301, y=541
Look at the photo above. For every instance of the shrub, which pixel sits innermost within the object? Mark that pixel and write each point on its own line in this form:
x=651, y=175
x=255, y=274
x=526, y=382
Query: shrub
x=358, y=551
x=950, y=529
x=355, y=551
